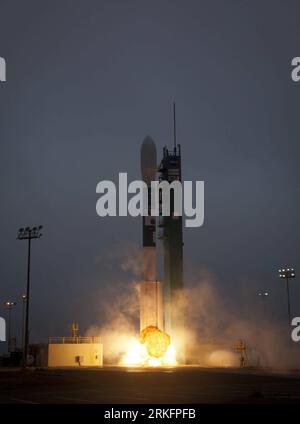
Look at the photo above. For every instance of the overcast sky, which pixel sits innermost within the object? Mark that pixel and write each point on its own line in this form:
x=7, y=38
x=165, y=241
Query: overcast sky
x=86, y=81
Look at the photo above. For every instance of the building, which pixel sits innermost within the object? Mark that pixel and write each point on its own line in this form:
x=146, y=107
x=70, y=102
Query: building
x=75, y=352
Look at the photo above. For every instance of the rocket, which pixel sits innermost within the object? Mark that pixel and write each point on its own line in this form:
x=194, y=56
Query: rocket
x=151, y=303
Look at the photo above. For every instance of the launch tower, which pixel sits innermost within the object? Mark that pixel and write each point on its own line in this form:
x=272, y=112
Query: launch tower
x=171, y=234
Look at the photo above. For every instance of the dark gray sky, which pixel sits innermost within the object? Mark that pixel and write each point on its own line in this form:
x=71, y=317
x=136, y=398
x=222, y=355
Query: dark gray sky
x=86, y=81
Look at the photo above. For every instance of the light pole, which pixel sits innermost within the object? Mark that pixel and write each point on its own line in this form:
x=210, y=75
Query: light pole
x=28, y=234
x=23, y=319
x=263, y=294
x=287, y=273
x=9, y=305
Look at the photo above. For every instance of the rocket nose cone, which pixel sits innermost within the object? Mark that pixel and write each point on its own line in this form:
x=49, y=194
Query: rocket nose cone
x=148, y=160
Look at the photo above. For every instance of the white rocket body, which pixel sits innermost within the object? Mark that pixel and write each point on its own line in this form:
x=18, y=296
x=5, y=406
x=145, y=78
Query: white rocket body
x=151, y=302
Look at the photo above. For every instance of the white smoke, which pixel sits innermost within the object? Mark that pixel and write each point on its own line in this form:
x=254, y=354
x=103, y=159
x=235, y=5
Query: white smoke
x=211, y=327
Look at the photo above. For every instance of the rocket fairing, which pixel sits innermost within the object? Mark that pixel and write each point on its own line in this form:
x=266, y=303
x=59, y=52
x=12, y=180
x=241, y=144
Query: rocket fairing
x=151, y=304
x=149, y=169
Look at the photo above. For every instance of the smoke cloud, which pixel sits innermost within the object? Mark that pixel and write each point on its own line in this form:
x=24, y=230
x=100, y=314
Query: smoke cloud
x=211, y=328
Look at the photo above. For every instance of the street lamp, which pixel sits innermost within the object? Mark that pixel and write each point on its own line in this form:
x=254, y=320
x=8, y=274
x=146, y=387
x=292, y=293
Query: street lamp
x=263, y=294
x=287, y=273
x=28, y=234
x=9, y=305
x=23, y=297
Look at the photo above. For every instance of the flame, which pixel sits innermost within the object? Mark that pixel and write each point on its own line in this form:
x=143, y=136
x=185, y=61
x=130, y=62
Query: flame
x=136, y=354
x=153, y=350
x=155, y=340
x=170, y=356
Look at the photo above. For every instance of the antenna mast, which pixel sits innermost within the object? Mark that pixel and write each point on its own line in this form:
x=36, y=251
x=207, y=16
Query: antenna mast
x=174, y=129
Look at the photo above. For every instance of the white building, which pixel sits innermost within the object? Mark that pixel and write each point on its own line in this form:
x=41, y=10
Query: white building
x=75, y=352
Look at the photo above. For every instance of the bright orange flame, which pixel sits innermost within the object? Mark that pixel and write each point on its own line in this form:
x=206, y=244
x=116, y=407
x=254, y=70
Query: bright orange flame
x=155, y=340
x=136, y=355
x=153, y=350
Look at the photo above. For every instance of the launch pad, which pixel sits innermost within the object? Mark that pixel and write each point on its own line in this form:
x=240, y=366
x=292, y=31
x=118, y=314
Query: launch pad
x=177, y=385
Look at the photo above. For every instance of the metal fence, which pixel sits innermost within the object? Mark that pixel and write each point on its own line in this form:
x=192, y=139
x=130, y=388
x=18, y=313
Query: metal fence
x=74, y=340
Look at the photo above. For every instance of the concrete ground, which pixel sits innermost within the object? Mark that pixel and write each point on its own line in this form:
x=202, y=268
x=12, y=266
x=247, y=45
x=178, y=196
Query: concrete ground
x=169, y=386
